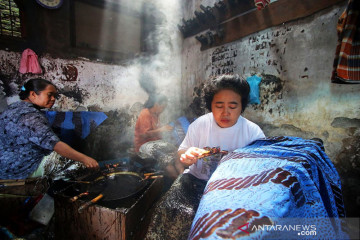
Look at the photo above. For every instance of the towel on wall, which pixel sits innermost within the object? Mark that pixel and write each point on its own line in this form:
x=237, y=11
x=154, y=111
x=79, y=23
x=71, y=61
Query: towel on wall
x=346, y=68
x=260, y=4
x=29, y=62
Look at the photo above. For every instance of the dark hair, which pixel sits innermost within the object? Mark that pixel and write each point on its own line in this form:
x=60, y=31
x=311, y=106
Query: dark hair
x=36, y=84
x=153, y=99
x=230, y=82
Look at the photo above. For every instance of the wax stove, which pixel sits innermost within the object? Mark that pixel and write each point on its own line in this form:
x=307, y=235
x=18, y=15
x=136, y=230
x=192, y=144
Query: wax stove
x=119, y=219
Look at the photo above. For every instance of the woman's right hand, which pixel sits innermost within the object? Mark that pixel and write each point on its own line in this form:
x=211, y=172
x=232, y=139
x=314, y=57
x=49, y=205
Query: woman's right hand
x=191, y=156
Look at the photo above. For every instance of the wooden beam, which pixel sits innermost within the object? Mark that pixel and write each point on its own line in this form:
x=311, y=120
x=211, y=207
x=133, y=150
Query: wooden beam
x=274, y=14
x=196, y=25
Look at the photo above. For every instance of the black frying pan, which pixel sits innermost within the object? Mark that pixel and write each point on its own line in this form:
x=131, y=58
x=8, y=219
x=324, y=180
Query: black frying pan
x=113, y=186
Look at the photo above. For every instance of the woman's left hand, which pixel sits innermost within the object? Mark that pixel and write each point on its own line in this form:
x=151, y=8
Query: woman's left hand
x=191, y=156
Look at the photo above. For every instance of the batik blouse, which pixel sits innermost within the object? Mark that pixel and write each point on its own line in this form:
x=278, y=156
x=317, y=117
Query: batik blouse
x=25, y=138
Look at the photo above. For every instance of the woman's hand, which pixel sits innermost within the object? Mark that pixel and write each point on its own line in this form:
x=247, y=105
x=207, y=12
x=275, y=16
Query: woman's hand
x=90, y=163
x=166, y=128
x=190, y=156
x=155, y=132
x=66, y=151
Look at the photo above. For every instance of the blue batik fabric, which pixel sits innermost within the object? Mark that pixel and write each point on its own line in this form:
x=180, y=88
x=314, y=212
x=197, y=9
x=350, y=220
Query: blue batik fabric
x=25, y=138
x=277, y=188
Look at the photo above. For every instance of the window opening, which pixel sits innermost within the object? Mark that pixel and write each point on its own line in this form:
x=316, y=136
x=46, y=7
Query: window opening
x=9, y=19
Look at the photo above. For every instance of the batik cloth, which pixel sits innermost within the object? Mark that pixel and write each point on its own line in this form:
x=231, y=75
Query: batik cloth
x=347, y=56
x=286, y=182
x=72, y=127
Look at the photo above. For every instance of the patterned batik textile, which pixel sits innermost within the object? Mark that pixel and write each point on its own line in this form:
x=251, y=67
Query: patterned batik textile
x=278, y=188
x=347, y=56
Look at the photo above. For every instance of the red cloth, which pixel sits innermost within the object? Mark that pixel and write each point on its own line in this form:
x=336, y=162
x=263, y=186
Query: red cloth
x=145, y=122
x=29, y=62
x=260, y=4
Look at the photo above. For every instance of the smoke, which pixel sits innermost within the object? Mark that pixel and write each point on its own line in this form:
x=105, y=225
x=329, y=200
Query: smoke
x=157, y=69
x=160, y=71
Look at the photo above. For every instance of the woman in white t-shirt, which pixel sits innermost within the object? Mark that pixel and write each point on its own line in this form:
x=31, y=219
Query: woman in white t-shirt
x=224, y=127
x=226, y=97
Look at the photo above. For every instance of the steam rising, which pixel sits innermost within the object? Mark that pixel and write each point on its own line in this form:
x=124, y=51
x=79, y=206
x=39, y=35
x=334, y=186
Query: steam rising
x=163, y=69
x=160, y=71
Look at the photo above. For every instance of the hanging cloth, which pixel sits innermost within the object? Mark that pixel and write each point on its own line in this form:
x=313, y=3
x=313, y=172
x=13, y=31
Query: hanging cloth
x=72, y=126
x=260, y=4
x=254, y=95
x=29, y=62
x=347, y=56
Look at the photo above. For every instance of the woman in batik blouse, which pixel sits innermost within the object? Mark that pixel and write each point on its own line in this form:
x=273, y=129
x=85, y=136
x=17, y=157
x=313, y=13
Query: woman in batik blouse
x=26, y=138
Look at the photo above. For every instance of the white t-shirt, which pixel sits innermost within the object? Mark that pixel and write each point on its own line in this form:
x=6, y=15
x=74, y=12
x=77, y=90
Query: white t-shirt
x=204, y=132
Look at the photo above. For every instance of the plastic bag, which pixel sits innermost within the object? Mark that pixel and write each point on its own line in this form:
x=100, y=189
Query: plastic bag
x=254, y=96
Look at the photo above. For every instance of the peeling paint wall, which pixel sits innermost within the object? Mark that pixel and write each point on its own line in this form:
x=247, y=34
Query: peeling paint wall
x=297, y=97
x=96, y=84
